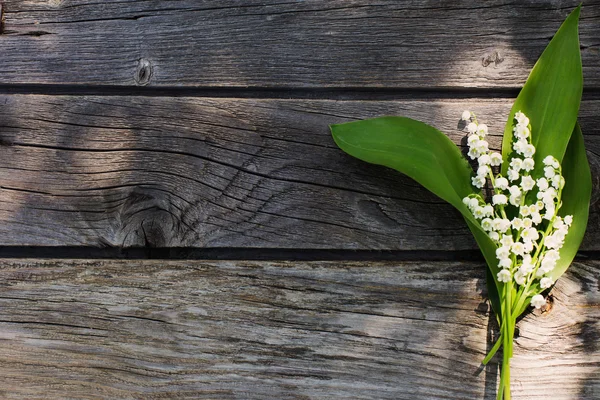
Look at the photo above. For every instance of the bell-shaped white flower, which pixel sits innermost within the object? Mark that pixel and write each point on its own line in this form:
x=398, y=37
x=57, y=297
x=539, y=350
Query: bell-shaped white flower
x=499, y=199
x=527, y=183
x=504, y=276
x=528, y=164
x=482, y=129
x=501, y=183
x=538, y=301
x=528, y=150
x=495, y=159
x=521, y=118
x=484, y=159
x=546, y=282
x=466, y=115
x=472, y=127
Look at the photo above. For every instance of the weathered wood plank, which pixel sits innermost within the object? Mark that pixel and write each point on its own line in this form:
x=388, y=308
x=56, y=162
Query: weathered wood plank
x=313, y=43
x=163, y=172
x=233, y=330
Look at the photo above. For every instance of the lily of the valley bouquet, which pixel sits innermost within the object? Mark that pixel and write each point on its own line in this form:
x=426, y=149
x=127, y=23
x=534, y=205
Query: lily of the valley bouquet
x=527, y=207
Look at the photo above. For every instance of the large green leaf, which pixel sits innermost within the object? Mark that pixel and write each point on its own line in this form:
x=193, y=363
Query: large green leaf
x=575, y=199
x=551, y=95
x=413, y=148
x=427, y=156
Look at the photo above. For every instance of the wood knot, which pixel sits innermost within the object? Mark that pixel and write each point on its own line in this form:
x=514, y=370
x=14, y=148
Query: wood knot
x=492, y=58
x=147, y=218
x=143, y=72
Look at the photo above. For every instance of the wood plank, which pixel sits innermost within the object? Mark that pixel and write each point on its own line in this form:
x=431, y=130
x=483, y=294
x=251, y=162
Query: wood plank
x=257, y=43
x=197, y=172
x=251, y=330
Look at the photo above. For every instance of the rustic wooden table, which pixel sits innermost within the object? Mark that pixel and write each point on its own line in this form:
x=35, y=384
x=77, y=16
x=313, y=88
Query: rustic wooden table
x=176, y=221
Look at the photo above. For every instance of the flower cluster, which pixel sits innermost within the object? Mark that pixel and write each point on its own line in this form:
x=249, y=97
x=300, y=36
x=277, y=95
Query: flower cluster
x=522, y=218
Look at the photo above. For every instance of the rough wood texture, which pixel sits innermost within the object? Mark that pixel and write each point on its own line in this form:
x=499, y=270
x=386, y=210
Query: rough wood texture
x=160, y=172
x=246, y=330
x=298, y=43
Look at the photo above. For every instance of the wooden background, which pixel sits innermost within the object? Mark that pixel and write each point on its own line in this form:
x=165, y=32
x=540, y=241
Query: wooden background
x=176, y=221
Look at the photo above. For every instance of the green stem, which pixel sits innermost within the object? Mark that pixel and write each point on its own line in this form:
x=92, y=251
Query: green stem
x=493, y=350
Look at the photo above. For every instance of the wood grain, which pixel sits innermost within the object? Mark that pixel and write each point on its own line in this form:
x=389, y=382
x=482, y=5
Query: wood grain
x=278, y=330
x=252, y=43
x=197, y=172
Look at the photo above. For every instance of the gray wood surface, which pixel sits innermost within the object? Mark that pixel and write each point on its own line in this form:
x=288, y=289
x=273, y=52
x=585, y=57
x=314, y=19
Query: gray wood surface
x=334, y=43
x=199, y=172
x=278, y=330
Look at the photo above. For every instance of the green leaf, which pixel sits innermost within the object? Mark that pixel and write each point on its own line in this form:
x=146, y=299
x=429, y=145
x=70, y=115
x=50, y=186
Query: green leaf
x=551, y=95
x=413, y=148
x=575, y=199
x=425, y=155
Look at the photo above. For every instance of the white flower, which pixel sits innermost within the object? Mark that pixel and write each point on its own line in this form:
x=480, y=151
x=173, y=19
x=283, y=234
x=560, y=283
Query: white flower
x=558, y=181
x=524, y=211
x=483, y=170
x=549, y=172
x=527, y=223
x=521, y=118
x=545, y=283
x=528, y=246
x=515, y=200
x=472, y=127
x=471, y=140
x=568, y=220
x=514, y=190
x=551, y=161
x=527, y=183
x=499, y=199
x=547, y=265
x=552, y=254
x=507, y=240
x=484, y=159
x=513, y=175
x=526, y=266
x=501, y=183
x=473, y=153
x=505, y=263
x=473, y=202
x=537, y=301
x=466, y=115
x=517, y=223
x=520, y=278
x=516, y=163
x=517, y=248
x=528, y=150
x=530, y=234
x=528, y=164
x=504, y=276
x=521, y=132
x=482, y=129
x=553, y=242
x=478, y=181
x=488, y=210
x=494, y=235
x=482, y=146
x=501, y=224
x=536, y=217
x=486, y=224
x=502, y=252
x=495, y=159
x=540, y=205
x=558, y=223
x=478, y=212
x=542, y=183
x=520, y=145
